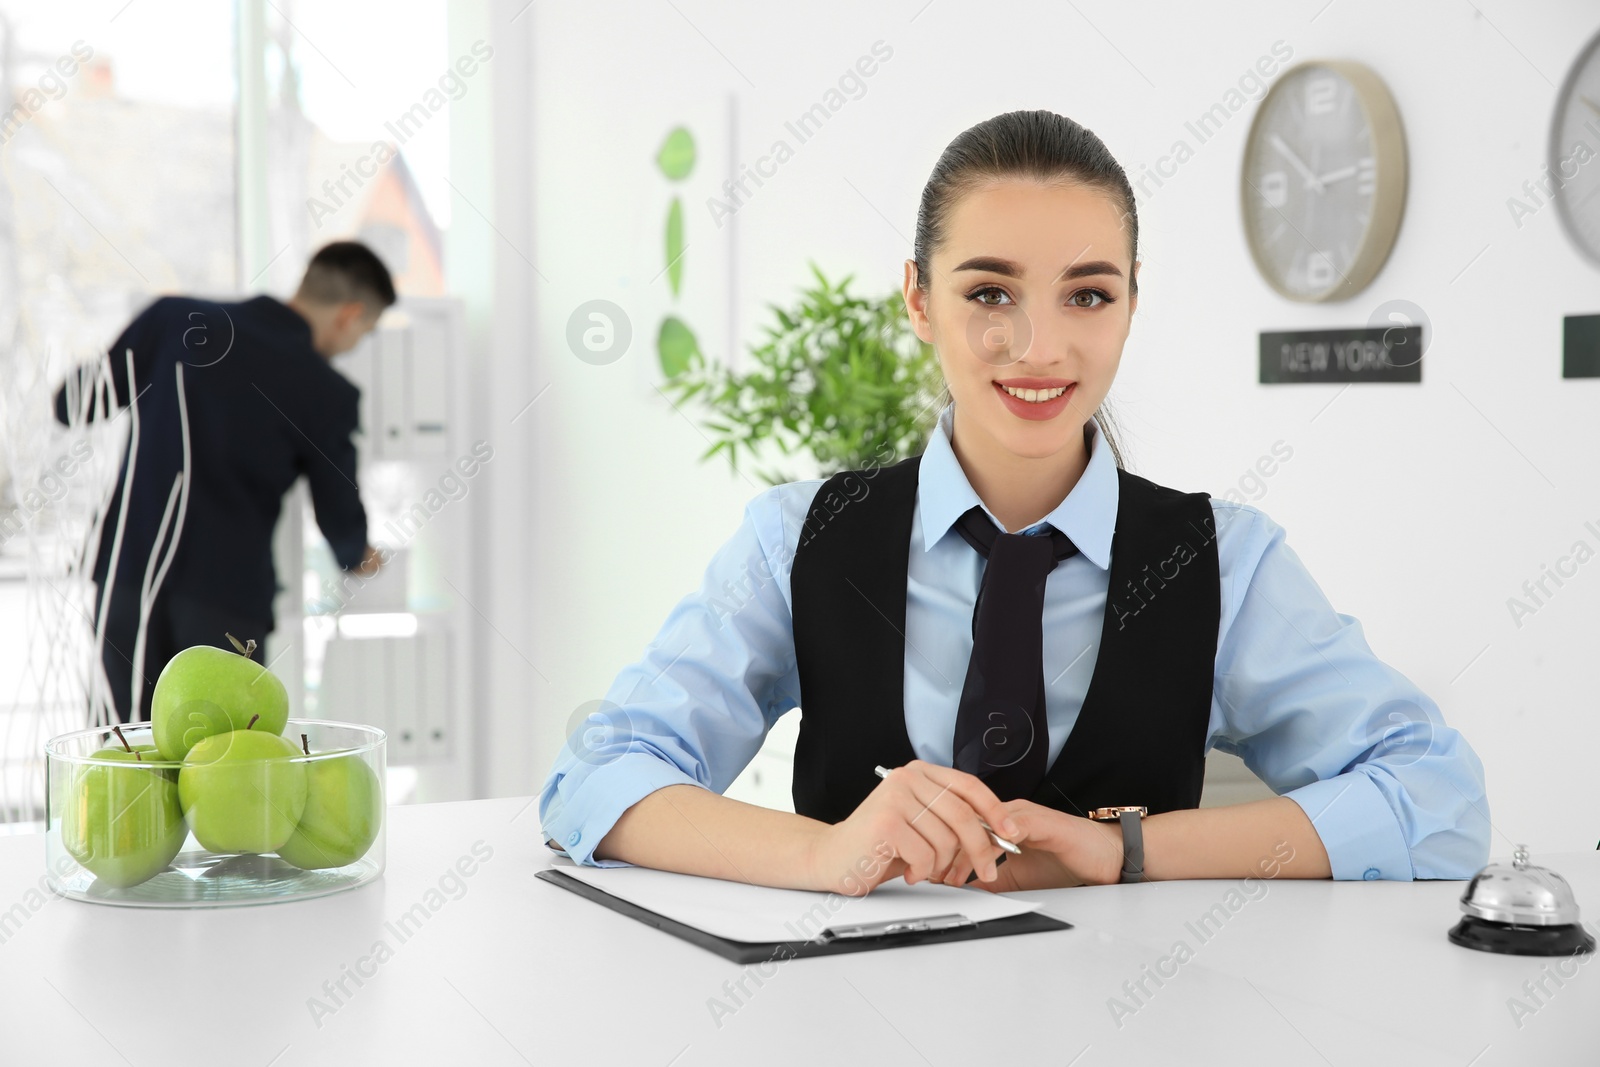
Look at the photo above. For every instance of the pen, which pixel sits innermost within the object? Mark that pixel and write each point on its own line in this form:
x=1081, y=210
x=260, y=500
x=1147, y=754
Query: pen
x=883, y=772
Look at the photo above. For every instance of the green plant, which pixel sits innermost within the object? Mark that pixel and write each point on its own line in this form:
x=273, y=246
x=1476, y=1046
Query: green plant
x=840, y=377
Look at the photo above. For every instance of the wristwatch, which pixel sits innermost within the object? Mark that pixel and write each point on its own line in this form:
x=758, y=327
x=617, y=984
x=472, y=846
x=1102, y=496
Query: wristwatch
x=1132, y=837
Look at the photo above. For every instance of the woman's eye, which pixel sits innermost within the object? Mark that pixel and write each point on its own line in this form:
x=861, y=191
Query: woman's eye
x=1103, y=298
x=981, y=295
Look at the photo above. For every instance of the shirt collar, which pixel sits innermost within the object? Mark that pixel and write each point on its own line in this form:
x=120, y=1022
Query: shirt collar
x=1087, y=516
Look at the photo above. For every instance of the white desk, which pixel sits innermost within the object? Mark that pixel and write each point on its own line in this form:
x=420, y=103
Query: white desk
x=516, y=971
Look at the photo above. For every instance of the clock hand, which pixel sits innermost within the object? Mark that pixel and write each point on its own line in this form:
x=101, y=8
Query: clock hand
x=1333, y=176
x=1305, y=172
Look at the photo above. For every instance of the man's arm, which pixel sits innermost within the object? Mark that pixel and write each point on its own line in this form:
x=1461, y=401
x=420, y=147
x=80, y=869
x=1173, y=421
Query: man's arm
x=329, y=464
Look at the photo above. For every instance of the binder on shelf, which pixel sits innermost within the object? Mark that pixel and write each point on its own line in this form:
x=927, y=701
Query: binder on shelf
x=1001, y=918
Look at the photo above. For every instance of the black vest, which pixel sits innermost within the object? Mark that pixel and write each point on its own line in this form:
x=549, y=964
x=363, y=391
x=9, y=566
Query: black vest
x=1140, y=736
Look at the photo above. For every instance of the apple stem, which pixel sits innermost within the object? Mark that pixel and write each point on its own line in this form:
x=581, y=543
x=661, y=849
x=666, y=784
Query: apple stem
x=305, y=744
x=245, y=649
x=251, y=724
x=118, y=731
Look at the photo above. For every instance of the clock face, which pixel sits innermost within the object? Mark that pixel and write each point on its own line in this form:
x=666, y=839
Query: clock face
x=1322, y=182
x=1575, y=152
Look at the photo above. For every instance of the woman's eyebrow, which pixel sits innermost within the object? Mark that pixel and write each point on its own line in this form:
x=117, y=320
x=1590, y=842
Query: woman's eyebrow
x=996, y=265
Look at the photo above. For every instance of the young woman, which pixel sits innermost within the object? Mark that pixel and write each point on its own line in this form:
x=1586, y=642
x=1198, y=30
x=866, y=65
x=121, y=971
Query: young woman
x=1123, y=631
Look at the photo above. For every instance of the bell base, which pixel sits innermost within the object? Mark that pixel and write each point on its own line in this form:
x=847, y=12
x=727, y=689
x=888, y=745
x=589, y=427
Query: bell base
x=1514, y=940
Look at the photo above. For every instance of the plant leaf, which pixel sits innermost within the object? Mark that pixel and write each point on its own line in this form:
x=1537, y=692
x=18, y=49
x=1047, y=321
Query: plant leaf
x=837, y=376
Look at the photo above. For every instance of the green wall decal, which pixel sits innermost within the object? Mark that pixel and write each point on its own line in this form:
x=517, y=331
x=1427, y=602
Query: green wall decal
x=676, y=345
x=675, y=245
x=676, y=157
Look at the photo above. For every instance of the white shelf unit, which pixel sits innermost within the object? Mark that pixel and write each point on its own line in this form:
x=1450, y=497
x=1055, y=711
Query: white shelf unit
x=392, y=651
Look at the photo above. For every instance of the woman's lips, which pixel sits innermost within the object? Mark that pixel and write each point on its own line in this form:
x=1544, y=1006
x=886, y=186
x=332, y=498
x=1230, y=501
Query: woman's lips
x=1037, y=410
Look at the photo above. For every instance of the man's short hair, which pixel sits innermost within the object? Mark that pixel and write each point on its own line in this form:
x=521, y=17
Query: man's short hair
x=346, y=271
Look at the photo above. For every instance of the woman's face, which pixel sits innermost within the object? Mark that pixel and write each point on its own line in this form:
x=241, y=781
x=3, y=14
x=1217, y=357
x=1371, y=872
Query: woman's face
x=1028, y=292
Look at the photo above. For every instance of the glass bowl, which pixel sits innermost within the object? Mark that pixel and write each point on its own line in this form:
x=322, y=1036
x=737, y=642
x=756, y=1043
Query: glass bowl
x=247, y=825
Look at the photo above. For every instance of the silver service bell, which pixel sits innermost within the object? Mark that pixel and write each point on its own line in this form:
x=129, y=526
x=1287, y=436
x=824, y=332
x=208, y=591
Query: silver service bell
x=1521, y=909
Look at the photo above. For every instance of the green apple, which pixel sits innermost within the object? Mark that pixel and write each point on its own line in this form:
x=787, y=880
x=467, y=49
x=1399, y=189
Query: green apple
x=123, y=822
x=123, y=750
x=344, y=806
x=204, y=691
x=242, y=791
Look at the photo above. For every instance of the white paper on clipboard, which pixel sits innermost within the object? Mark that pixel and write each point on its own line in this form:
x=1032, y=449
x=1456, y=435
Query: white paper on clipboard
x=742, y=912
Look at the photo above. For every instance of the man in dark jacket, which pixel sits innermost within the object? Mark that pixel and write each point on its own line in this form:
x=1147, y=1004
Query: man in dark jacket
x=256, y=406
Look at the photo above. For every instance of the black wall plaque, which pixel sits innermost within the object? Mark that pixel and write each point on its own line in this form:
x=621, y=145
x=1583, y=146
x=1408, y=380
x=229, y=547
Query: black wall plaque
x=1580, y=346
x=1358, y=354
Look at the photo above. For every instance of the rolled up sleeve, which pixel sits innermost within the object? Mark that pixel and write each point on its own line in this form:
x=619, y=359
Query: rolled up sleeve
x=696, y=707
x=580, y=803
x=1392, y=790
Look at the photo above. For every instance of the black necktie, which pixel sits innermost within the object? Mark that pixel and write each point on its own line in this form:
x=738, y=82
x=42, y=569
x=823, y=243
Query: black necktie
x=1001, y=733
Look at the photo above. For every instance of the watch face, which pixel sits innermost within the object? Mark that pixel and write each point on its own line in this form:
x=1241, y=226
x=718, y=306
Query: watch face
x=1116, y=812
x=1574, y=145
x=1319, y=170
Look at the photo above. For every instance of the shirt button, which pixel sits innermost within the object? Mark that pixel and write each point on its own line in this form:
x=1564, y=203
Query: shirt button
x=1372, y=874
x=572, y=839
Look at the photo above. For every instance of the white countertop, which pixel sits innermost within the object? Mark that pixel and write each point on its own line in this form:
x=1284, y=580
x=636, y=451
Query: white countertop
x=501, y=968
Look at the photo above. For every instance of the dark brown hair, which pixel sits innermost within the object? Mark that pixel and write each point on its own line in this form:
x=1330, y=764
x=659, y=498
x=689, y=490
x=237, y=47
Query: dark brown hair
x=1024, y=144
x=346, y=271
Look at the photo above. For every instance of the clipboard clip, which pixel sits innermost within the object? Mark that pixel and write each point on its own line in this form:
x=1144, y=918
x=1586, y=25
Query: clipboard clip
x=891, y=927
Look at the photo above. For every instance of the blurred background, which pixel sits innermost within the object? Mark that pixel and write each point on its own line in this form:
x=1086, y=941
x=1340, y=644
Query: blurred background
x=600, y=217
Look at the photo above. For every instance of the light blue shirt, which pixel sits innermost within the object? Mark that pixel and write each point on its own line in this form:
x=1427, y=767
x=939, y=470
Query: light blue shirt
x=1392, y=791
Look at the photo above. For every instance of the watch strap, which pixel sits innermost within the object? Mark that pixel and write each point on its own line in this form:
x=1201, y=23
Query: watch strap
x=1132, y=846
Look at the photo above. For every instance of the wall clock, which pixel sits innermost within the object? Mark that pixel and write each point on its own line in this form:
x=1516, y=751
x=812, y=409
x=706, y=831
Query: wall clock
x=1575, y=152
x=1323, y=182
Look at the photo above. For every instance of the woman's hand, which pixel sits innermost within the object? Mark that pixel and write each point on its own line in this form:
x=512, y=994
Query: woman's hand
x=918, y=823
x=1057, y=850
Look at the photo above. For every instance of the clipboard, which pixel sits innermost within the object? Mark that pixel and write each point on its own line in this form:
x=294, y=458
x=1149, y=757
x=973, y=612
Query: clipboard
x=924, y=930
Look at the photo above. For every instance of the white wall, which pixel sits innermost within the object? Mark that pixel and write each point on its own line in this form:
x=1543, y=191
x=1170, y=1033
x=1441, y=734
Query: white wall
x=1420, y=509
